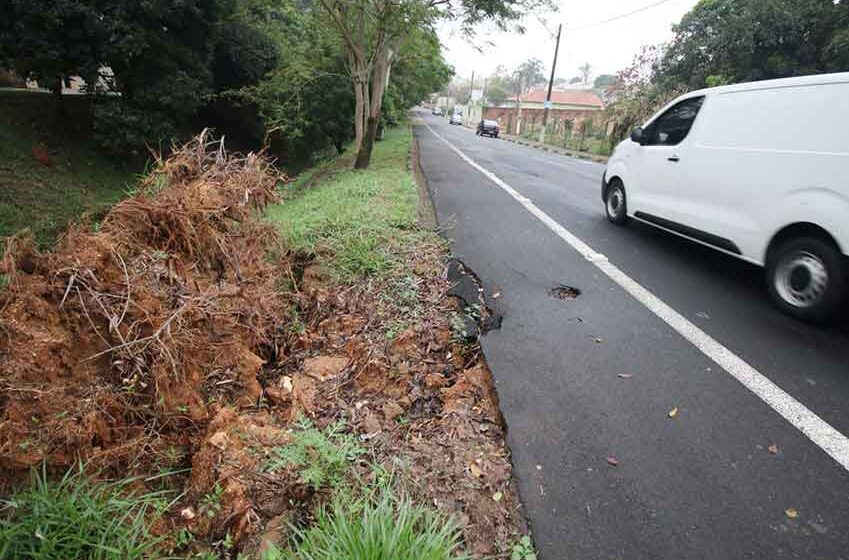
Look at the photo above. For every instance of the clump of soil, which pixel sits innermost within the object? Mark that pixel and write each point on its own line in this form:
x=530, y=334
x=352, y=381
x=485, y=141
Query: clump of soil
x=114, y=346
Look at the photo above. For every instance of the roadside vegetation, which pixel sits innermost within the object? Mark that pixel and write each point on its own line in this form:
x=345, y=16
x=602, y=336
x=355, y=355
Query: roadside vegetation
x=336, y=410
x=51, y=172
x=356, y=224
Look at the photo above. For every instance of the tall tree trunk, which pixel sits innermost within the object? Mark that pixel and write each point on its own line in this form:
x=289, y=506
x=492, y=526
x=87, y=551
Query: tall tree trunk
x=359, y=114
x=379, y=81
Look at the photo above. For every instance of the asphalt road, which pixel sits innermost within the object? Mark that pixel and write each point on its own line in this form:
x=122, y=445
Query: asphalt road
x=703, y=484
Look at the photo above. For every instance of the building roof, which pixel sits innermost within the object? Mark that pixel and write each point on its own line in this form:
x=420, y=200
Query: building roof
x=567, y=97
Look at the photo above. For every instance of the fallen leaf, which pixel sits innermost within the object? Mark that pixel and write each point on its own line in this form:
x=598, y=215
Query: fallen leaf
x=497, y=496
x=496, y=295
x=791, y=513
x=612, y=461
x=772, y=449
x=626, y=375
x=598, y=340
x=475, y=470
x=674, y=412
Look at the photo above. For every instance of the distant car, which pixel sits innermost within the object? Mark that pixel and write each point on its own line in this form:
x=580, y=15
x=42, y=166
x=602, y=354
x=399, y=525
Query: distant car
x=488, y=128
x=456, y=118
x=437, y=111
x=757, y=171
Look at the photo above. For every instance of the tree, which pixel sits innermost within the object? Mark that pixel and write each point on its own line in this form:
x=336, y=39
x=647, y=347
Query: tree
x=728, y=41
x=418, y=71
x=373, y=31
x=164, y=57
x=304, y=105
x=638, y=93
x=498, y=89
x=530, y=73
x=43, y=40
x=585, y=70
x=604, y=80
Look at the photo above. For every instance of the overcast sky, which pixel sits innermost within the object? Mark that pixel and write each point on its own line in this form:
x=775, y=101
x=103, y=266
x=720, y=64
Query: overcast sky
x=608, y=48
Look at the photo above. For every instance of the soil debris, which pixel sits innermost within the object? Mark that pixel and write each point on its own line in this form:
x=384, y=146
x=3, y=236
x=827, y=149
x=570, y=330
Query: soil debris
x=162, y=340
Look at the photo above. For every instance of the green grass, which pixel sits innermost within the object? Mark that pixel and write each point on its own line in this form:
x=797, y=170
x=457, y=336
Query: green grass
x=323, y=458
x=76, y=518
x=44, y=199
x=353, y=221
x=377, y=526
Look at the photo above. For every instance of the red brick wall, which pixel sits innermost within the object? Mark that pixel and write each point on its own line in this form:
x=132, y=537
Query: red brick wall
x=532, y=117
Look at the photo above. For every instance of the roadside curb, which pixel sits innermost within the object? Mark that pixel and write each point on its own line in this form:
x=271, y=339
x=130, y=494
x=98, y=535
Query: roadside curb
x=555, y=149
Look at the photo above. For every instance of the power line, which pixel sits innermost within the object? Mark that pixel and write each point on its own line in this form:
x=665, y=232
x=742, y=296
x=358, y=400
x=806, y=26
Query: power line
x=616, y=18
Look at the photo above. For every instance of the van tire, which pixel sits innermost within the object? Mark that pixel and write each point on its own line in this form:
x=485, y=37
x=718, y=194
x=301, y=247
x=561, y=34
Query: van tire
x=616, y=203
x=806, y=278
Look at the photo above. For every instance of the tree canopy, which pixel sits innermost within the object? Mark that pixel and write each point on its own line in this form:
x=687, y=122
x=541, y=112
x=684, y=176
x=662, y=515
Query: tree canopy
x=727, y=41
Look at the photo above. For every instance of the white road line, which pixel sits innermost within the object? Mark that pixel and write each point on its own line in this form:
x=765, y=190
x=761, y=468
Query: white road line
x=815, y=428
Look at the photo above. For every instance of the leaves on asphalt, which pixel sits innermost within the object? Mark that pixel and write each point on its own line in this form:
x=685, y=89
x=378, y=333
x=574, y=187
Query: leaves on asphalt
x=791, y=513
x=626, y=375
x=612, y=461
x=497, y=496
x=772, y=449
x=673, y=413
x=598, y=339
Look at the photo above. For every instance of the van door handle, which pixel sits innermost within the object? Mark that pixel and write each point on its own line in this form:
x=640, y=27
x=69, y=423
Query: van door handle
x=673, y=159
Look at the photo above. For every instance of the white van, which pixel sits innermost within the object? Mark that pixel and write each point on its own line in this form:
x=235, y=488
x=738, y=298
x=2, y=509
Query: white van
x=759, y=171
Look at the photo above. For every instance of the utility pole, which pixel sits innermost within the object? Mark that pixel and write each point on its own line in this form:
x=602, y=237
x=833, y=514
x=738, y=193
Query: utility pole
x=519, y=106
x=550, y=85
x=471, y=87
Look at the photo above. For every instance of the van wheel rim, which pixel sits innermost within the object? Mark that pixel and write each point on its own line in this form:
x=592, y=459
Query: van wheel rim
x=614, y=203
x=802, y=279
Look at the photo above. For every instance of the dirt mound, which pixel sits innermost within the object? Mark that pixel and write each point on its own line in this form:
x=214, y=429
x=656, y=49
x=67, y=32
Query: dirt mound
x=114, y=346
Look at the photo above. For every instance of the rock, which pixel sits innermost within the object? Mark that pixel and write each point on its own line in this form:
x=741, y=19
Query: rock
x=277, y=395
x=187, y=513
x=281, y=393
x=322, y=368
x=219, y=440
x=286, y=384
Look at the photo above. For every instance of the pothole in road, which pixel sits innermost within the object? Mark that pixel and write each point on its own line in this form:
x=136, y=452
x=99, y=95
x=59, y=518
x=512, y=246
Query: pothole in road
x=564, y=292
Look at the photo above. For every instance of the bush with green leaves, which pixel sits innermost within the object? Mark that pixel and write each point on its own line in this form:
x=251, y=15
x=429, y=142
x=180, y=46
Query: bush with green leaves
x=324, y=458
x=77, y=517
x=379, y=526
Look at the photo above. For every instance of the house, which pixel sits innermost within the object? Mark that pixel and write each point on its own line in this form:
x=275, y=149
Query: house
x=566, y=105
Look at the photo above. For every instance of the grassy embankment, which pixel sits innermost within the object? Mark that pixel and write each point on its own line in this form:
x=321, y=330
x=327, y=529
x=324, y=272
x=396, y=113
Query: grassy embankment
x=44, y=198
x=356, y=223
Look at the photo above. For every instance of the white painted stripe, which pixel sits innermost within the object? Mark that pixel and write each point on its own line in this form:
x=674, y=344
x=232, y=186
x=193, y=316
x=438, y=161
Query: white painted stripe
x=815, y=428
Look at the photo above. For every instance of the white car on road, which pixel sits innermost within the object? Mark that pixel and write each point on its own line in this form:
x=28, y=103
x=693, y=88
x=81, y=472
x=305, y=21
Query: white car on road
x=759, y=171
x=456, y=118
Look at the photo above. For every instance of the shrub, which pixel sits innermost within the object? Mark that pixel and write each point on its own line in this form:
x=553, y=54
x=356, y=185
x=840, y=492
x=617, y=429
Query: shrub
x=76, y=517
x=377, y=527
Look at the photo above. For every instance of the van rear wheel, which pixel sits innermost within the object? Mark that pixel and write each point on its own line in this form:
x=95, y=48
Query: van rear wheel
x=806, y=277
x=615, y=205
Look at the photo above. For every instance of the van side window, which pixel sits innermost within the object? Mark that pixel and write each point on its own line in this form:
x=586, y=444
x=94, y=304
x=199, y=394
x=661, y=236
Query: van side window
x=673, y=126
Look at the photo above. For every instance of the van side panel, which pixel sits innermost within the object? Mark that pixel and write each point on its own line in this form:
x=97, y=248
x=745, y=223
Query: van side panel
x=765, y=158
